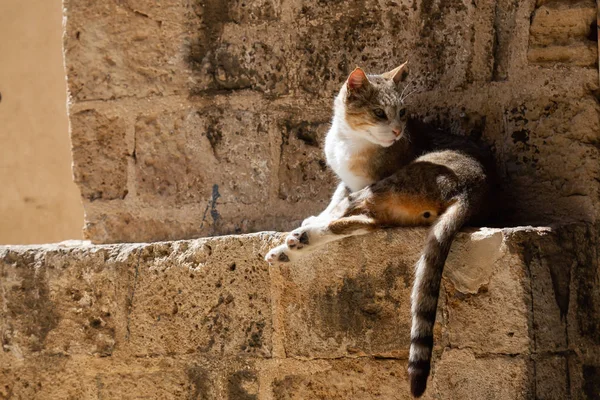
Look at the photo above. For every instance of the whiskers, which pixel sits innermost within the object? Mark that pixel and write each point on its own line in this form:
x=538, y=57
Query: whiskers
x=404, y=96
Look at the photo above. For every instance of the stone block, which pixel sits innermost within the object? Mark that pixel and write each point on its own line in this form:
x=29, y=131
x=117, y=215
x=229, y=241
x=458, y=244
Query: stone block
x=460, y=375
x=60, y=301
x=209, y=319
x=201, y=297
x=361, y=378
x=488, y=295
x=47, y=377
x=145, y=225
x=160, y=383
x=115, y=49
x=578, y=54
x=583, y=304
x=203, y=154
x=99, y=155
x=247, y=58
x=563, y=32
x=356, y=302
x=550, y=268
x=238, y=45
x=560, y=23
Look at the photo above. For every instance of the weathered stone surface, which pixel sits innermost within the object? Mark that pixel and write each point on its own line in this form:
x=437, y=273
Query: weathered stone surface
x=359, y=304
x=354, y=303
x=581, y=54
x=225, y=104
x=488, y=296
x=551, y=377
x=347, y=379
x=47, y=377
x=208, y=297
x=208, y=318
x=60, y=302
x=90, y=378
x=159, y=384
x=146, y=225
x=120, y=49
x=99, y=155
x=583, y=325
x=230, y=64
x=198, y=154
x=570, y=128
x=563, y=32
x=460, y=375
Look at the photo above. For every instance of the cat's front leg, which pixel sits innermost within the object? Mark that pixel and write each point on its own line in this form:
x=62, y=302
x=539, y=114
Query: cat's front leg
x=308, y=238
x=340, y=193
x=299, y=242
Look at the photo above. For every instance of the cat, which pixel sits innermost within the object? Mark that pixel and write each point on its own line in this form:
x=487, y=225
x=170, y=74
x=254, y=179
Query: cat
x=396, y=170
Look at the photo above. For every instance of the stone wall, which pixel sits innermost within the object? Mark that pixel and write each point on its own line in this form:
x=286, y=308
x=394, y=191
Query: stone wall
x=192, y=118
x=519, y=318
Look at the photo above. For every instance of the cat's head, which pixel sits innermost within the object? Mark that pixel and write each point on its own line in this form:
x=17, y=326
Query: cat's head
x=373, y=105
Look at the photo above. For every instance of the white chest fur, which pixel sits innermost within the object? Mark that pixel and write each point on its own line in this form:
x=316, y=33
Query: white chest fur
x=341, y=147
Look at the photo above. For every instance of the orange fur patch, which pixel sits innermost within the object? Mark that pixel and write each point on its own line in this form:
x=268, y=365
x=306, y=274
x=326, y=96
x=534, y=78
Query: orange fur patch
x=406, y=210
x=358, y=121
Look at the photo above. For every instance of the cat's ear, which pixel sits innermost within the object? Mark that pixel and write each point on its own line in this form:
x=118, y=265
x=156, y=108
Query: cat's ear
x=357, y=80
x=398, y=74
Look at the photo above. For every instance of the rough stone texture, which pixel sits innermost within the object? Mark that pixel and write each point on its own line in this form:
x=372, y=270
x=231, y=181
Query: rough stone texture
x=208, y=116
x=519, y=318
x=99, y=155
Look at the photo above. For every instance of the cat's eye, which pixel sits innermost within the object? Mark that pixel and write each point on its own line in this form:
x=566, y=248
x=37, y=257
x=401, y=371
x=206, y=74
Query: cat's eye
x=379, y=113
x=402, y=112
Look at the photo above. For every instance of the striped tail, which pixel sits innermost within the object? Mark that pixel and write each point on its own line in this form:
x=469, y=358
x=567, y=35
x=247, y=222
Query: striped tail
x=425, y=293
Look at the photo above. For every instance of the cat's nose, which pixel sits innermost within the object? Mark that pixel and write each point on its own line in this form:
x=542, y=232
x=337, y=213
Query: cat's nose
x=397, y=131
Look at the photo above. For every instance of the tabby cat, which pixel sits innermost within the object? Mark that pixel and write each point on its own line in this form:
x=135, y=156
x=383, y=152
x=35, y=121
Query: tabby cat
x=396, y=171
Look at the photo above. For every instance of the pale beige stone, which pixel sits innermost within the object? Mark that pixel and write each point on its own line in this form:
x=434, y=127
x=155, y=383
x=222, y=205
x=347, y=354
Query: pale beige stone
x=210, y=318
x=460, y=375
x=59, y=301
x=201, y=154
x=105, y=58
x=100, y=155
x=201, y=297
x=493, y=314
x=344, y=379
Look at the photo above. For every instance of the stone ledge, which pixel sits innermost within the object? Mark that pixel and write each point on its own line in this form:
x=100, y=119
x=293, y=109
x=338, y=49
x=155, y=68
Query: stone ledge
x=519, y=317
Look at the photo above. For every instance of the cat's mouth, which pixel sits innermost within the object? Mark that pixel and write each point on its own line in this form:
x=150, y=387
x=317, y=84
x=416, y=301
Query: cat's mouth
x=385, y=142
x=385, y=138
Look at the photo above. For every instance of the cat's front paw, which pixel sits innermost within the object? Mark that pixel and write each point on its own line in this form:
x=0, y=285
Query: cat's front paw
x=297, y=239
x=278, y=255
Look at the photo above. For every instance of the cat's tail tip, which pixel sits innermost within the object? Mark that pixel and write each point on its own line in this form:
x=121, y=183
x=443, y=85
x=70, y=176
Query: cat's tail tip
x=418, y=380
